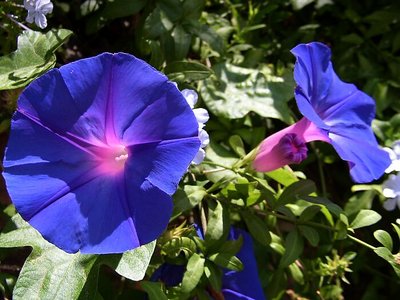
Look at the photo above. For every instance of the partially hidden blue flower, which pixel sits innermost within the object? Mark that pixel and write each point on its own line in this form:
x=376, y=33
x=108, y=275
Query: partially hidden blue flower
x=37, y=11
x=95, y=152
x=394, y=154
x=236, y=285
x=334, y=112
x=202, y=117
x=391, y=190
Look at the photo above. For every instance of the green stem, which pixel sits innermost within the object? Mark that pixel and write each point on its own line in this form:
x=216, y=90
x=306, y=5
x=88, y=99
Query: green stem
x=296, y=221
x=211, y=163
x=320, y=171
x=361, y=242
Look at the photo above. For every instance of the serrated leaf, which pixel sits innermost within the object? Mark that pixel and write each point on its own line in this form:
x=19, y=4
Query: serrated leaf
x=187, y=70
x=365, y=218
x=384, y=238
x=236, y=91
x=193, y=273
x=51, y=273
x=294, y=245
x=33, y=57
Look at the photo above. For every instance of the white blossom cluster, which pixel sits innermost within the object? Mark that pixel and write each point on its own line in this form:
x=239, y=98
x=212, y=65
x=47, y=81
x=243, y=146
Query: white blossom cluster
x=202, y=117
x=391, y=187
x=37, y=11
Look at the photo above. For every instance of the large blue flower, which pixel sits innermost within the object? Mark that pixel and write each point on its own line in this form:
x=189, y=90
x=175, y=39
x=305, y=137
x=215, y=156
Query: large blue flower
x=96, y=149
x=334, y=111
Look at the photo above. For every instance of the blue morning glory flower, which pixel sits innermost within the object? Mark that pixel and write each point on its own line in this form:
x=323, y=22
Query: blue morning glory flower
x=236, y=285
x=334, y=111
x=95, y=152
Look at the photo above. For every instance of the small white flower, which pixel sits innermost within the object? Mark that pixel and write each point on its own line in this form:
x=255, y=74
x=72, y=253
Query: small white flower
x=202, y=117
x=391, y=190
x=37, y=9
x=394, y=154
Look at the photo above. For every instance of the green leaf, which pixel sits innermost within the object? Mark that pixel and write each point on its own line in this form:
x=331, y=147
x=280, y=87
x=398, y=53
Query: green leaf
x=232, y=246
x=283, y=176
x=173, y=247
x=257, y=228
x=397, y=229
x=112, y=10
x=218, y=154
x=365, y=218
x=34, y=56
x=226, y=260
x=294, y=245
x=187, y=71
x=296, y=273
x=182, y=41
x=385, y=253
x=131, y=264
x=208, y=35
x=193, y=273
x=310, y=234
x=121, y=8
x=332, y=207
x=237, y=145
x=295, y=192
x=236, y=91
x=218, y=224
x=186, y=199
x=214, y=275
x=50, y=273
x=384, y=238
x=154, y=290
x=309, y=212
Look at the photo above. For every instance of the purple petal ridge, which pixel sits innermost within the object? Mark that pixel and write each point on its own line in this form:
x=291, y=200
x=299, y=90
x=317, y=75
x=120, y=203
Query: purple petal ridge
x=95, y=152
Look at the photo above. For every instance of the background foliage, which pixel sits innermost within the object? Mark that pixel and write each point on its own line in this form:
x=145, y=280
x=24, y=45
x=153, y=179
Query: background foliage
x=317, y=236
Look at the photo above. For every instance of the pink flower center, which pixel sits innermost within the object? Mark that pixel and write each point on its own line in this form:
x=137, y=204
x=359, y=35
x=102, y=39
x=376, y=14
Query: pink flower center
x=293, y=148
x=113, y=158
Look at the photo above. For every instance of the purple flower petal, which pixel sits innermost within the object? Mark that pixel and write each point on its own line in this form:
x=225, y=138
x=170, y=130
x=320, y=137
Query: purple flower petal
x=96, y=149
x=357, y=145
x=246, y=283
x=335, y=107
x=271, y=155
x=162, y=164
